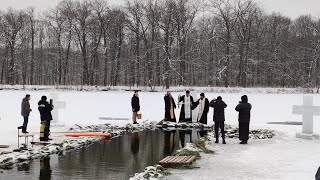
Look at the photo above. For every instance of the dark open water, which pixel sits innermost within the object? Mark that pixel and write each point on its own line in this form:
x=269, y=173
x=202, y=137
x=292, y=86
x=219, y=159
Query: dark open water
x=118, y=159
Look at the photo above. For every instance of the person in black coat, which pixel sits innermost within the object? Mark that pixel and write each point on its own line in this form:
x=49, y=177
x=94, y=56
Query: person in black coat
x=170, y=105
x=135, y=104
x=186, y=108
x=244, y=109
x=203, y=104
x=318, y=174
x=218, y=117
x=45, y=115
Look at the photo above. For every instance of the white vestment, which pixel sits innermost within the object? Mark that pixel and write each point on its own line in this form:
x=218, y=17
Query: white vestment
x=187, y=107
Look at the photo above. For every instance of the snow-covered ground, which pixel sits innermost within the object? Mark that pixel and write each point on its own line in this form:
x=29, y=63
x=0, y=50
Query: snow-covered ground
x=283, y=158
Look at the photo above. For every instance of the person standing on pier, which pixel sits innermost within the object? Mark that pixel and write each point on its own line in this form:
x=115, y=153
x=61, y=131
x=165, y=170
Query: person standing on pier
x=186, y=108
x=170, y=105
x=135, y=104
x=25, y=112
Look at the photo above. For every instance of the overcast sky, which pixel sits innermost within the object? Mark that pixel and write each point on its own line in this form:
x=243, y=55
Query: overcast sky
x=291, y=8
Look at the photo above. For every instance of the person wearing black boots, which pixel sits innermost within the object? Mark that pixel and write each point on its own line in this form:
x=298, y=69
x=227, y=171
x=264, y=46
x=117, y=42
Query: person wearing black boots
x=218, y=117
x=244, y=109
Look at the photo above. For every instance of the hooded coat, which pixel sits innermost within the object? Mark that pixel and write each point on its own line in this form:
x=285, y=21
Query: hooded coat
x=244, y=109
x=45, y=110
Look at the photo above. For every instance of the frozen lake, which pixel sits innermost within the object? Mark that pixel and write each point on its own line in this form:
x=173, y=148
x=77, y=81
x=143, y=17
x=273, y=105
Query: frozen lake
x=85, y=108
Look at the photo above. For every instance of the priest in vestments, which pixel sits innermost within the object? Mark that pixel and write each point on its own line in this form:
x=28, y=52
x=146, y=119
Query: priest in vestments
x=203, y=104
x=170, y=105
x=186, y=108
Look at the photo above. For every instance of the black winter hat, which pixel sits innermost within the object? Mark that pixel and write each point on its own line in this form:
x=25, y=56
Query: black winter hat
x=202, y=94
x=219, y=98
x=244, y=98
x=44, y=98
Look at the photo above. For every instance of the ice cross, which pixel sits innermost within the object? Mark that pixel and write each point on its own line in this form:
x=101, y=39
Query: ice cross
x=57, y=105
x=307, y=110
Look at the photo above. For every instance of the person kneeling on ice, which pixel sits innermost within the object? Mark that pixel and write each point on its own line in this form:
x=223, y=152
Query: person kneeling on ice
x=244, y=109
x=25, y=112
x=170, y=105
x=45, y=115
x=135, y=104
x=203, y=104
x=186, y=108
x=218, y=117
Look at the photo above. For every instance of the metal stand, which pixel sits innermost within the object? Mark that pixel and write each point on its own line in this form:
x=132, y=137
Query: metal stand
x=26, y=138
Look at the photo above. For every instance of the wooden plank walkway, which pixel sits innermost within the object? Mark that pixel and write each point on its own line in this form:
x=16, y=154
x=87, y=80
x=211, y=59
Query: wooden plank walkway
x=175, y=161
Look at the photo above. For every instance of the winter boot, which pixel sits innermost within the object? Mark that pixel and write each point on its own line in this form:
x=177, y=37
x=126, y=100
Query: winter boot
x=244, y=142
x=217, y=141
x=224, y=141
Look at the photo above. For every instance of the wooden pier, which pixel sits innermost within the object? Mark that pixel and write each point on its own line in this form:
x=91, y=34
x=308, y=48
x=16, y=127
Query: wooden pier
x=176, y=161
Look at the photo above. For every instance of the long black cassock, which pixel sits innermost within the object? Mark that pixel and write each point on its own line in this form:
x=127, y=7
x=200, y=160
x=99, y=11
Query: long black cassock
x=203, y=110
x=186, y=109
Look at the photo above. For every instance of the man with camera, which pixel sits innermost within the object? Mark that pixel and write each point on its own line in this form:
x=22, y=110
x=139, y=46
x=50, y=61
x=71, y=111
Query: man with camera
x=218, y=117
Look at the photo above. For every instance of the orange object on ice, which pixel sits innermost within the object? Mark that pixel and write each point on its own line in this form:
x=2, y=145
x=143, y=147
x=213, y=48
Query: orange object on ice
x=87, y=134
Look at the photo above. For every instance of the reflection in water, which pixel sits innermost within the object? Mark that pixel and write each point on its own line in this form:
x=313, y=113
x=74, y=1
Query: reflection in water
x=45, y=170
x=135, y=143
x=169, y=142
x=203, y=133
x=24, y=167
x=185, y=137
x=118, y=159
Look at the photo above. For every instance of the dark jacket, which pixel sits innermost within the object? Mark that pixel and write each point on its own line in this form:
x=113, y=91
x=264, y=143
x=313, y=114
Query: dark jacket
x=25, y=107
x=135, y=103
x=244, y=111
x=218, y=113
x=167, y=108
x=45, y=110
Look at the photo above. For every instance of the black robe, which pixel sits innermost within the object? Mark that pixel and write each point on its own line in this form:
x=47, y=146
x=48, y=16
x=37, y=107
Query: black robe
x=167, y=103
x=169, y=142
x=182, y=113
x=318, y=174
x=204, y=117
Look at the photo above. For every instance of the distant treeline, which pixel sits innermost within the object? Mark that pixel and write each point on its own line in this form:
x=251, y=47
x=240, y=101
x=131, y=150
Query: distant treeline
x=159, y=43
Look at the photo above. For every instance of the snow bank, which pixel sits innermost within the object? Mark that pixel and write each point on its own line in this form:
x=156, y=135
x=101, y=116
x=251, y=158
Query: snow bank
x=150, y=173
x=63, y=144
x=8, y=160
